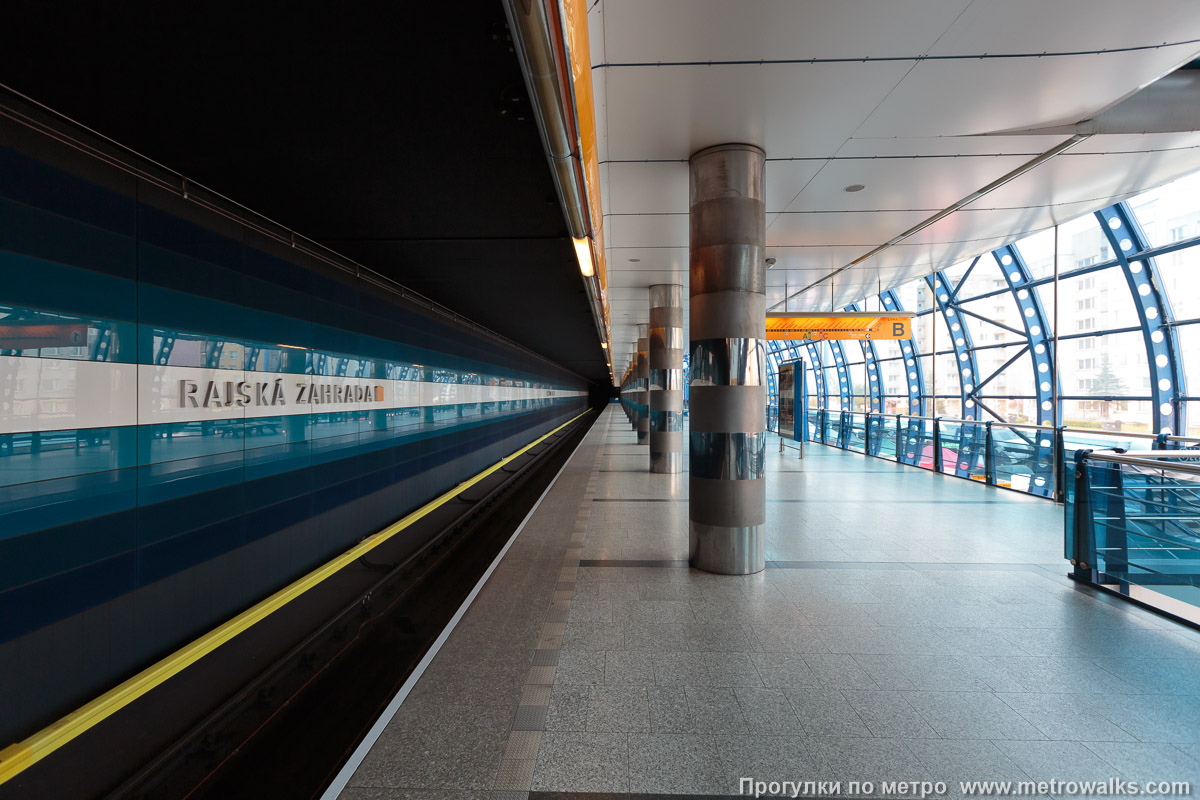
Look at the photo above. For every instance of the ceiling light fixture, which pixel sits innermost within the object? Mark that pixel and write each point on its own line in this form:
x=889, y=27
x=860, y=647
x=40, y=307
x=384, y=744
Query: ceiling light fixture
x=854, y=187
x=583, y=252
x=634, y=260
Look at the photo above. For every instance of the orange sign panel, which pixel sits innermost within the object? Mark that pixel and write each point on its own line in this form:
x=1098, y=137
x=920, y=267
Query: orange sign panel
x=838, y=325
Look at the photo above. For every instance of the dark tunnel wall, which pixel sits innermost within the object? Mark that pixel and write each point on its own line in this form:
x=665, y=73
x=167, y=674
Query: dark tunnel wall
x=194, y=415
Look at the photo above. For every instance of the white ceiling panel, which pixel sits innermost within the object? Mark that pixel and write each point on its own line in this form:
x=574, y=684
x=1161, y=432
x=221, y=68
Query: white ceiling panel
x=647, y=230
x=895, y=146
x=1076, y=178
x=640, y=279
x=670, y=258
x=954, y=98
x=719, y=30
x=908, y=130
x=654, y=187
x=864, y=229
x=1038, y=26
x=786, y=179
x=900, y=184
x=789, y=110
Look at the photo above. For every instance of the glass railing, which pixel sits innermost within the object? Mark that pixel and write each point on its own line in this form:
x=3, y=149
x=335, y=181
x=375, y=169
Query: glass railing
x=1026, y=458
x=1133, y=526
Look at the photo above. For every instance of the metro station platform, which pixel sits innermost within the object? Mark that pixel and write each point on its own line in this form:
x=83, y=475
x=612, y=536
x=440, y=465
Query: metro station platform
x=909, y=626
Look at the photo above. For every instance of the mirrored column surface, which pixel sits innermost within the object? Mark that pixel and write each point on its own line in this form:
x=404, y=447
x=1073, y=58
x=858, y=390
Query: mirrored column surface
x=666, y=378
x=727, y=270
x=643, y=361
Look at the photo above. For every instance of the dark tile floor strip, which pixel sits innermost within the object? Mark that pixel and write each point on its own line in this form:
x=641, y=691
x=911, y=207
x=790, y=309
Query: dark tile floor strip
x=622, y=796
x=637, y=500
x=858, y=501
x=618, y=562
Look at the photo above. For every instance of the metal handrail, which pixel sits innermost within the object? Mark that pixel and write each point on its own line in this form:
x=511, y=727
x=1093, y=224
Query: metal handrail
x=1117, y=434
x=1150, y=463
x=1160, y=454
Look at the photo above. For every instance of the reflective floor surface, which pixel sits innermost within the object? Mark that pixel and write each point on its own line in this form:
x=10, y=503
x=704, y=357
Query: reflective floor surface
x=909, y=626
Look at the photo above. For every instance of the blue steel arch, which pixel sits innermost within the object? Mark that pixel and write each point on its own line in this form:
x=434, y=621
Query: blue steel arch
x=873, y=391
x=908, y=450
x=914, y=376
x=1039, y=341
x=1167, y=385
x=845, y=386
x=970, y=443
x=1040, y=345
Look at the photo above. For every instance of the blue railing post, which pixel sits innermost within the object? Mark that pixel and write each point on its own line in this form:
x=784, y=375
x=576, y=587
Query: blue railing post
x=989, y=474
x=937, y=444
x=1079, y=522
x=867, y=433
x=1060, y=459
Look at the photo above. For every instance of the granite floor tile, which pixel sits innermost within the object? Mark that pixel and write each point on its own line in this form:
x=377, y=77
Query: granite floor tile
x=785, y=670
x=582, y=762
x=768, y=758
x=1067, y=716
x=682, y=669
x=669, y=710
x=1060, y=761
x=580, y=667
x=867, y=759
x=839, y=671
x=568, y=708
x=888, y=715
x=715, y=710
x=768, y=711
x=618, y=709
x=971, y=715
x=732, y=669
x=628, y=668
x=676, y=764
x=1149, y=761
x=825, y=712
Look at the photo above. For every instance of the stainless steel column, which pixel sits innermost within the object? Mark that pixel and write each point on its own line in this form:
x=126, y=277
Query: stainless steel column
x=727, y=493
x=643, y=361
x=634, y=388
x=666, y=378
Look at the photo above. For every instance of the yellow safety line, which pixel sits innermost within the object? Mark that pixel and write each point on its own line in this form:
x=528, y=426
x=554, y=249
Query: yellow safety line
x=16, y=758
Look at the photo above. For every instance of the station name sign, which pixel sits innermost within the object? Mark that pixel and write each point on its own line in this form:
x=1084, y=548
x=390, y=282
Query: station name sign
x=242, y=394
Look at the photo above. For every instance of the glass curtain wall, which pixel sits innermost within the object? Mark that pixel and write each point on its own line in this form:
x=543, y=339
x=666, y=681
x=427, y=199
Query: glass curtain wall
x=1125, y=321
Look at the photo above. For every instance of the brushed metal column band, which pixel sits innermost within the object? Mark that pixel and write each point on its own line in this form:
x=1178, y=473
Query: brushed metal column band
x=728, y=267
x=666, y=316
x=666, y=462
x=667, y=400
x=666, y=442
x=729, y=409
x=666, y=377
x=643, y=361
x=727, y=551
x=722, y=314
x=732, y=504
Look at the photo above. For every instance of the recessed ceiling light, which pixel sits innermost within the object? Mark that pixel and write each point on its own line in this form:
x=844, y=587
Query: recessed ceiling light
x=854, y=187
x=634, y=260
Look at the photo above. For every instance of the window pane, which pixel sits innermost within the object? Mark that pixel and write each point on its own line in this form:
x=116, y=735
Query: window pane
x=1171, y=212
x=1038, y=252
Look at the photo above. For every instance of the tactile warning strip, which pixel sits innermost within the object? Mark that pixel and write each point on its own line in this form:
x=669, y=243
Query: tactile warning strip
x=515, y=775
